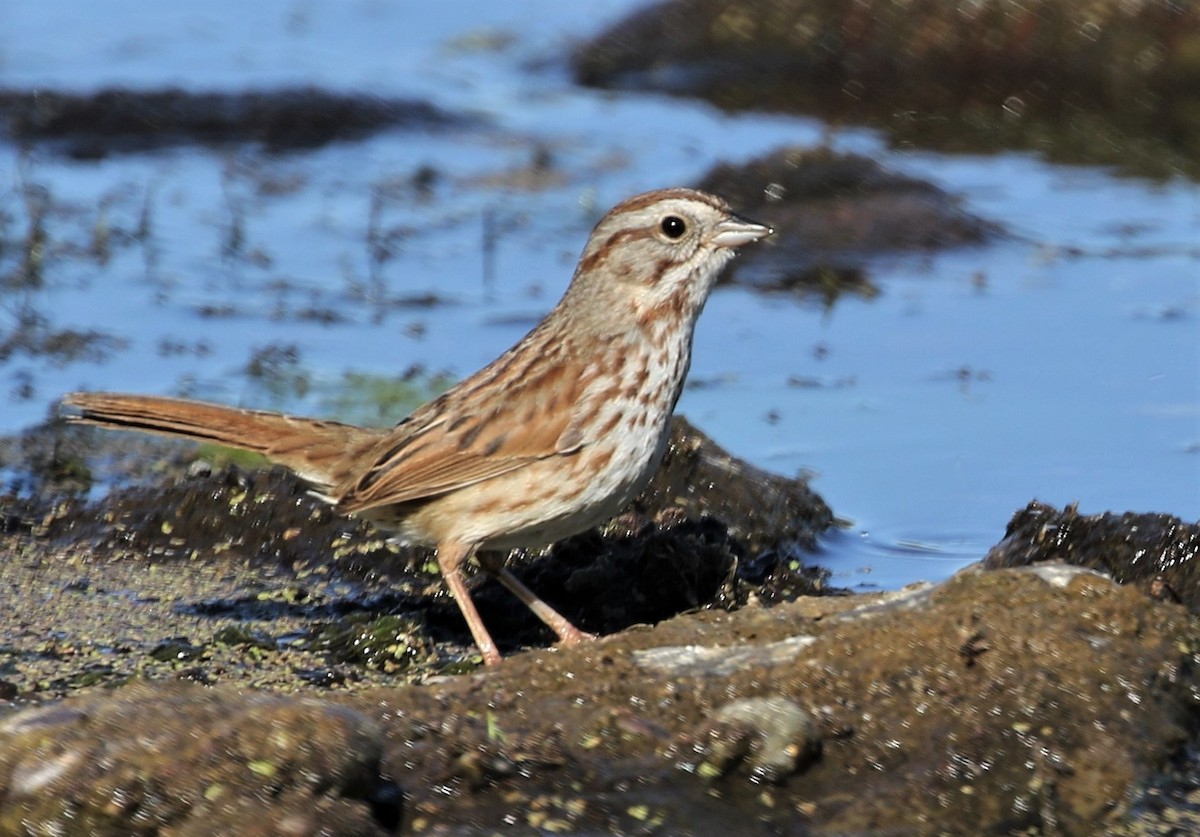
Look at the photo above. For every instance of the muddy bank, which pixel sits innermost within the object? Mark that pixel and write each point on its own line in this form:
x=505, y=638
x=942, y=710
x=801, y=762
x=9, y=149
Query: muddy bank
x=230, y=562
x=1106, y=82
x=1014, y=700
x=118, y=120
x=290, y=671
x=836, y=217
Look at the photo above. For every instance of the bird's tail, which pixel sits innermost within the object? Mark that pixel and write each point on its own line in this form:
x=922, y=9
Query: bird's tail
x=318, y=451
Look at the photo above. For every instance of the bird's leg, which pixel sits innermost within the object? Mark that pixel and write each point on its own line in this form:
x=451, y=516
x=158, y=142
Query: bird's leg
x=450, y=557
x=567, y=633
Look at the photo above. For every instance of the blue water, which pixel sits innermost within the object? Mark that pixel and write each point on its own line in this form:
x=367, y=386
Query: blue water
x=1062, y=363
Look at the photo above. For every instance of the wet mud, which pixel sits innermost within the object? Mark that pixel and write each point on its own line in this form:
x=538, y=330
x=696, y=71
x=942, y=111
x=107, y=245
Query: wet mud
x=1156, y=552
x=1105, y=82
x=290, y=671
x=263, y=565
x=1036, y=700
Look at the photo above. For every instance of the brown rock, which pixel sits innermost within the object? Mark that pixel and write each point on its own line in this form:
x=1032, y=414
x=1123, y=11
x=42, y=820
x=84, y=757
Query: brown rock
x=193, y=761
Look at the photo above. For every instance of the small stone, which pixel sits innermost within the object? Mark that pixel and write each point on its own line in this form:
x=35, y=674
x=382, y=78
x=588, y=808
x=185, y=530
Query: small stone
x=199, y=469
x=787, y=737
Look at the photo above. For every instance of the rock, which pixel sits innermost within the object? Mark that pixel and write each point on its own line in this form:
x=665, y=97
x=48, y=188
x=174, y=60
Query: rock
x=1003, y=699
x=786, y=737
x=836, y=216
x=828, y=203
x=762, y=510
x=1156, y=552
x=1009, y=699
x=194, y=761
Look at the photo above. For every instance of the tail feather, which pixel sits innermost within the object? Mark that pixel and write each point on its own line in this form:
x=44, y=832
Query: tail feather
x=316, y=450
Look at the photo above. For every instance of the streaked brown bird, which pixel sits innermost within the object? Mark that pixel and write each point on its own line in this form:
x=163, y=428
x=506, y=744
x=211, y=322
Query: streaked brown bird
x=556, y=435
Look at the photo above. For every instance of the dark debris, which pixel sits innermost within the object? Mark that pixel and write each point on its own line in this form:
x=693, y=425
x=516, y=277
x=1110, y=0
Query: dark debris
x=1156, y=552
x=121, y=120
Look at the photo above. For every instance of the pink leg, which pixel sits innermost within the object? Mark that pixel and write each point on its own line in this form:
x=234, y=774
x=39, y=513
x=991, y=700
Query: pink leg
x=567, y=633
x=451, y=557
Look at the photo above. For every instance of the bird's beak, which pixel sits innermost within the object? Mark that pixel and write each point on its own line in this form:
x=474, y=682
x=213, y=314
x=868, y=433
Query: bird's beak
x=735, y=231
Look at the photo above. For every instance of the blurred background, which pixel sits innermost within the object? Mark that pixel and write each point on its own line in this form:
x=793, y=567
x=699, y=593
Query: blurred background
x=338, y=208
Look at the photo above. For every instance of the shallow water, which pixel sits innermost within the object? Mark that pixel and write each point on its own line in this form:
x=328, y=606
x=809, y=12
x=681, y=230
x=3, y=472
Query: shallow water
x=1061, y=363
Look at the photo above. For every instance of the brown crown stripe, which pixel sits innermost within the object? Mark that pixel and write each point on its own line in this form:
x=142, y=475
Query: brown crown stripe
x=652, y=198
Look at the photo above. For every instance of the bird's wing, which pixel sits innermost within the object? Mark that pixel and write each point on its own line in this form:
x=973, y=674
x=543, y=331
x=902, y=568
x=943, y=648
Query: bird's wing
x=477, y=431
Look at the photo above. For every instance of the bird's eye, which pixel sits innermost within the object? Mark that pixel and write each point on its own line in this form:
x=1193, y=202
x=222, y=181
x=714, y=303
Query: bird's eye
x=673, y=226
